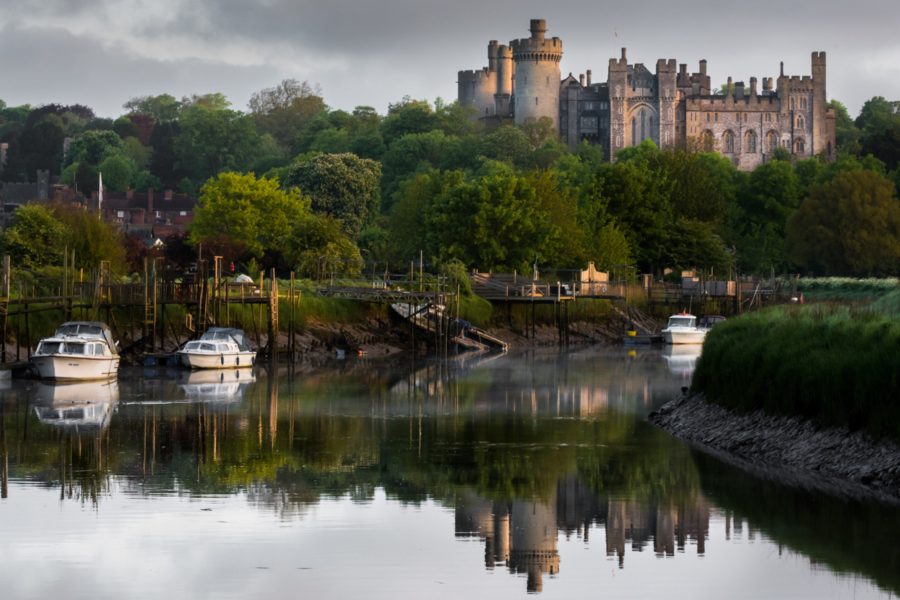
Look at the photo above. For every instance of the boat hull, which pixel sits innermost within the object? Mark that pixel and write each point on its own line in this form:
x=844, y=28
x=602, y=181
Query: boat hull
x=684, y=337
x=221, y=360
x=68, y=367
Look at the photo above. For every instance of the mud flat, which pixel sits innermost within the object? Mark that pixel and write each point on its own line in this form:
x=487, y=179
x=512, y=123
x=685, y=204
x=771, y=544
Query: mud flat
x=789, y=450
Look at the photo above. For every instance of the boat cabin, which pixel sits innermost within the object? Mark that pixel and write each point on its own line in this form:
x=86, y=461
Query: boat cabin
x=682, y=320
x=79, y=338
x=708, y=321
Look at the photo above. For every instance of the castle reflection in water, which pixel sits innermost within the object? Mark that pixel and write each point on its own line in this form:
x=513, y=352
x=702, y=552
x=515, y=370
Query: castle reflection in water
x=522, y=535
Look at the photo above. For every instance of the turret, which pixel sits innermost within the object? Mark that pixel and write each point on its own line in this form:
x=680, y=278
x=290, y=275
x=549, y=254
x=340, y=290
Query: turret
x=819, y=105
x=537, y=74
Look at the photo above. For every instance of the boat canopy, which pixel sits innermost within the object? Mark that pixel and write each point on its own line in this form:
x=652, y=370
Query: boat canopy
x=89, y=329
x=227, y=334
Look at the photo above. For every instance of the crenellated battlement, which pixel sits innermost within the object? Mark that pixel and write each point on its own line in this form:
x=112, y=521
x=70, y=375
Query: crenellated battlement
x=664, y=66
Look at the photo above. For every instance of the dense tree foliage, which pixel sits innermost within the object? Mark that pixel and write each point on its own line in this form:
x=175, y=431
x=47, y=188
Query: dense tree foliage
x=427, y=177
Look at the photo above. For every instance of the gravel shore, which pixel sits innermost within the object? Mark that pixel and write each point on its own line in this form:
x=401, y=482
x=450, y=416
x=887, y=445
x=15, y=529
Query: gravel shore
x=790, y=450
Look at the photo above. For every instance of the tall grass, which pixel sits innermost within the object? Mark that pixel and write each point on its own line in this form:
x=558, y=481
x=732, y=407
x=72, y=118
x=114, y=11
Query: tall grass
x=846, y=287
x=834, y=364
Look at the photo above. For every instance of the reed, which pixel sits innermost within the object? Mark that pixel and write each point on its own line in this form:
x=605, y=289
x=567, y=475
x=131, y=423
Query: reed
x=834, y=364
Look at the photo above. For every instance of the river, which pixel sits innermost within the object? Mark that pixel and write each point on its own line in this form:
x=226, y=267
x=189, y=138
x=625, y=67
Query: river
x=478, y=477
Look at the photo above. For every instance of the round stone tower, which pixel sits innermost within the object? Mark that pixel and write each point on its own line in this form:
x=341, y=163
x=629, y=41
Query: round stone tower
x=537, y=74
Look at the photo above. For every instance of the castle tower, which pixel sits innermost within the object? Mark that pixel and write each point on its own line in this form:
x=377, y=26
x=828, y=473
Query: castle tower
x=666, y=74
x=819, y=104
x=537, y=74
x=506, y=70
x=618, y=96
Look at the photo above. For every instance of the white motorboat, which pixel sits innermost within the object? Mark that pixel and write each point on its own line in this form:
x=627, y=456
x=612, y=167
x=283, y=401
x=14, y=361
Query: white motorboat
x=78, y=351
x=682, y=329
x=218, y=348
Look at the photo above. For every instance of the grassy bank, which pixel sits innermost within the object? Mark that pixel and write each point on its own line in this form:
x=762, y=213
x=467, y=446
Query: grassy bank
x=834, y=364
x=846, y=288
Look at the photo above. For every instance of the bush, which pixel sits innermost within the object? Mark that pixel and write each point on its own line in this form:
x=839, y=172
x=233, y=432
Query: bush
x=834, y=365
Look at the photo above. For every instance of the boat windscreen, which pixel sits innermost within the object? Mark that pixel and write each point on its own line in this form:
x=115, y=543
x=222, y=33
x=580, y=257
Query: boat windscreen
x=681, y=321
x=66, y=330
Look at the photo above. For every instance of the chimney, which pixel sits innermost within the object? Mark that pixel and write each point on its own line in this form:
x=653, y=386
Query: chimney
x=703, y=67
x=168, y=195
x=782, y=69
x=150, y=201
x=767, y=84
x=739, y=90
x=581, y=79
x=683, y=69
x=730, y=89
x=129, y=194
x=624, y=54
x=753, y=86
x=589, y=78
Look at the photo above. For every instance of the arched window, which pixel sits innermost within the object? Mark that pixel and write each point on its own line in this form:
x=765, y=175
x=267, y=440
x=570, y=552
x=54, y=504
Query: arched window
x=643, y=125
x=707, y=117
x=773, y=141
x=717, y=117
x=485, y=110
x=729, y=141
x=792, y=104
x=634, y=141
x=799, y=121
x=535, y=100
x=799, y=146
x=768, y=117
x=829, y=148
x=707, y=141
x=750, y=142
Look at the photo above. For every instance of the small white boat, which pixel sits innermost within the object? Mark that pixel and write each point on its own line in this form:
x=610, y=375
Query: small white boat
x=682, y=329
x=218, y=348
x=78, y=351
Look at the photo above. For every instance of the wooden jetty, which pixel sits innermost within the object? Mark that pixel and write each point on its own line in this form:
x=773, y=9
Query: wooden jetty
x=205, y=295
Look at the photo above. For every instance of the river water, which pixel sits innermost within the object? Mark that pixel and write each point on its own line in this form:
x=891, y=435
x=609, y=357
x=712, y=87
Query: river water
x=478, y=477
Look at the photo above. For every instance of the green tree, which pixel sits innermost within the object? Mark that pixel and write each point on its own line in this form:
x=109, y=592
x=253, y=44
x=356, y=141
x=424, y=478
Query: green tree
x=34, y=238
x=286, y=109
x=492, y=223
x=213, y=141
x=849, y=226
x=414, y=201
x=163, y=108
x=246, y=210
x=846, y=133
x=118, y=173
x=508, y=144
x=94, y=147
x=343, y=186
x=313, y=237
x=92, y=239
x=406, y=118
x=414, y=153
x=539, y=131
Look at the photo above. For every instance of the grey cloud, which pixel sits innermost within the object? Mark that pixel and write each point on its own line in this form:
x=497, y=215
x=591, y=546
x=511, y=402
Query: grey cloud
x=365, y=52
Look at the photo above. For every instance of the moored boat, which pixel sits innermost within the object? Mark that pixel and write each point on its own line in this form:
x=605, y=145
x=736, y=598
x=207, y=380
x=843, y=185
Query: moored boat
x=78, y=351
x=218, y=348
x=682, y=329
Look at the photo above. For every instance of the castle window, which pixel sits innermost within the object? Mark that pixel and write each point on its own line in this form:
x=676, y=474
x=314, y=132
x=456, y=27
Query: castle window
x=750, y=142
x=729, y=141
x=799, y=146
x=829, y=148
x=745, y=117
x=799, y=122
x=707, y=117
x=803, y=103
x=717, y=117
x=121, y=213
x=768, y=117
x=773, y=141
x=485, y=110
x=778, y=118
x=792, y=104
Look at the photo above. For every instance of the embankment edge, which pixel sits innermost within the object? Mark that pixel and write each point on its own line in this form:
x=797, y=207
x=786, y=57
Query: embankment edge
x=787, y=450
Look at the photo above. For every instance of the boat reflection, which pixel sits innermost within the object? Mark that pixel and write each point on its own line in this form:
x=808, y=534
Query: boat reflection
x=77, y=408
x=216, y=386
x=682, y=358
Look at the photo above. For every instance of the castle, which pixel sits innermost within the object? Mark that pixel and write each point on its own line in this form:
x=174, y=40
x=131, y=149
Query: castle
x=674, y=108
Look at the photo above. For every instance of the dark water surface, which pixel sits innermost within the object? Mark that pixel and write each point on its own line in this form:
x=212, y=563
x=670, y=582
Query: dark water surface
x=484, y=477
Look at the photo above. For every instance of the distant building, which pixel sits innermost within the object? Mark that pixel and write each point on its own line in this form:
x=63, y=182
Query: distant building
x=673, y=108
x=147, y=214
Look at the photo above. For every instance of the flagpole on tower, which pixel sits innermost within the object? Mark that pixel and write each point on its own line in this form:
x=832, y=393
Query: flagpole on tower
x=100, y=202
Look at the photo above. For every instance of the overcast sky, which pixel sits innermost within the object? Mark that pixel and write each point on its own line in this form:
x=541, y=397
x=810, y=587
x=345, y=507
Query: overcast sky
x=102, y=52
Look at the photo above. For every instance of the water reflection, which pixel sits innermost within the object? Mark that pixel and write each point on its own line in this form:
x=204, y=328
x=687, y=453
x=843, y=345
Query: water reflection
x=525, y=451
x=682, y=358
x=75, y=408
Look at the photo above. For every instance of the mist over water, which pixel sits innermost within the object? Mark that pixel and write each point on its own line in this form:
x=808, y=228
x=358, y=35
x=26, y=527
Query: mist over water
x=486, y=476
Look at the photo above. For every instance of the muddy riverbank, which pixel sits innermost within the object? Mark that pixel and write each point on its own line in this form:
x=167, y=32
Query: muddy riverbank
x=788, y=449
